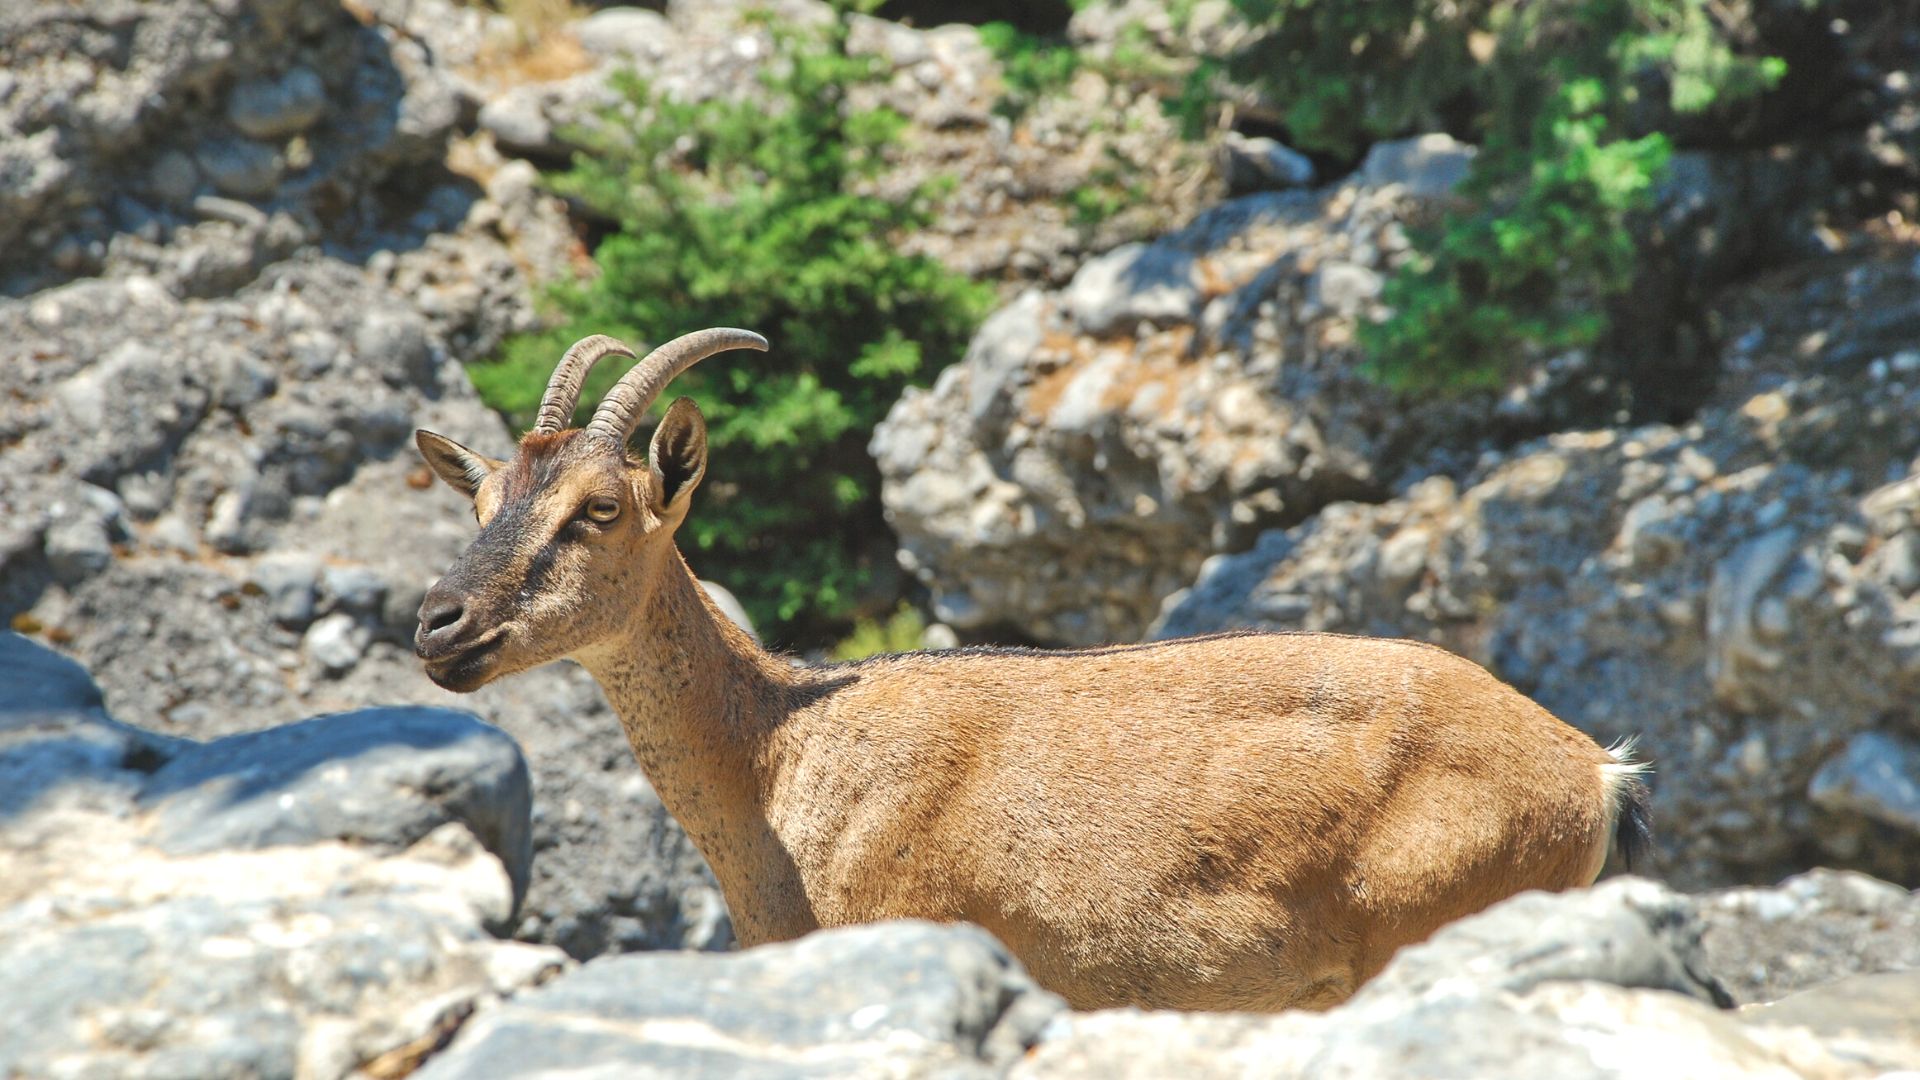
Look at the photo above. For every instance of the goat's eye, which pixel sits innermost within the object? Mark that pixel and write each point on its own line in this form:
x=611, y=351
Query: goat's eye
x=603, y=508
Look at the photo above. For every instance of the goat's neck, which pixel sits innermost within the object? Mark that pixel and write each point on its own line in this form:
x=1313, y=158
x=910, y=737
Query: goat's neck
x=700, y=702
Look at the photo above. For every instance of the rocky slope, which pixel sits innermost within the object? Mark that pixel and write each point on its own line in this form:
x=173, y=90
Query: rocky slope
x=321, y=900
x=208, y=488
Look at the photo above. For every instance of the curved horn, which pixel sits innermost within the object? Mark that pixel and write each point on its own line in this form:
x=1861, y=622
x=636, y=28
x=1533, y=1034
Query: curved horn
x=620, y=410
x=563, y=390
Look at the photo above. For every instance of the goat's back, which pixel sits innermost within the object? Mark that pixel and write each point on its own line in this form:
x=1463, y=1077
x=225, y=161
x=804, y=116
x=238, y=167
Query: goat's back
x=1241, y=821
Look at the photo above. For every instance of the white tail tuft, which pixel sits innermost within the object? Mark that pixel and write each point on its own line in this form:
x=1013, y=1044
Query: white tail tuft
x=1627, y=802
x=1624, y=767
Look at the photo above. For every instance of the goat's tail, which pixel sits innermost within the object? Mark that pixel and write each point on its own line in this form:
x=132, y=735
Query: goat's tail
x=1629, y=805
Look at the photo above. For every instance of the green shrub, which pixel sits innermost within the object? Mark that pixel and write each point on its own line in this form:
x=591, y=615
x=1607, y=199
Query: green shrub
x=756, y=213
x=1031, y=67
x=902, y=632
x=1574, y=103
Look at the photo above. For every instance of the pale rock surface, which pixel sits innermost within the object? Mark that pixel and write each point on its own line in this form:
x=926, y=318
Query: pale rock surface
x=302, y=901
x=1099, y=442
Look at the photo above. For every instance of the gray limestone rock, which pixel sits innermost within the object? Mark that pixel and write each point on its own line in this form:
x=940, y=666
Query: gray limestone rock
x=1098, y=443
x=241, y=167
x=385, y=777
x=1131, y=284
x=41, y=682
x=304, y=961
x=58, y=746
x=891, y=999
x=1810, y=930
x=337, y=641
x=1626, y=932
x=1257, y=163
x=276, y=107
x=1877, y=775
x=626, y=32
x=1427, y=166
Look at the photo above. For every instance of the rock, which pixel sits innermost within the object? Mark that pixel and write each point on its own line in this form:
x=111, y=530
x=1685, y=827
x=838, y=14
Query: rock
x=273, y=108
x=385, y=777
x=519, y=123
x=58, y=747
x=302, y=961
x=893, y=999
x=337, y=642
x=174, y=177
x=41, y=682
x=1878, y=775
x=1097, y=444
x=79, y=541
x=300, y=901
x=358, y=589
x=1344, y=287
x=1812, y=929
x=1427, y=166
x=1738, y=581
x=107, y=135
x=1131, y=284
x=289, y=583
x=241, y=167
x=1871, y=1015
x=1257, y=163
x=1626, y=932
x=128, y=408
x=625, y=32
x=395, y=343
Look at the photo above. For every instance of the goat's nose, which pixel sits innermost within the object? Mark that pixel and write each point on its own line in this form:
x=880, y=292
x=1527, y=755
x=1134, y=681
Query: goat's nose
x=440, y=617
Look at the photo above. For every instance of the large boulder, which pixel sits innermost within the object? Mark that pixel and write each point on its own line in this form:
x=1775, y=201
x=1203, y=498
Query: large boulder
x=1740, y=591
x=359, y=776
x=294, y=902
x=895, y=999
x=1099, y=441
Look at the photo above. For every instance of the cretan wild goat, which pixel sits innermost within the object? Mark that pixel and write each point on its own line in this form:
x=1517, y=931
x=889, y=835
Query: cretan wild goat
x=1241, y=821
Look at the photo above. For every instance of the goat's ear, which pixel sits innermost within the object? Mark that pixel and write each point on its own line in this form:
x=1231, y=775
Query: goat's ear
x=461, y=468
x=678, y=456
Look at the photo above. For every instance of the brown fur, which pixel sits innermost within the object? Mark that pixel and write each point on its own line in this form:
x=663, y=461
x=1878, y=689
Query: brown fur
x=1251, y=821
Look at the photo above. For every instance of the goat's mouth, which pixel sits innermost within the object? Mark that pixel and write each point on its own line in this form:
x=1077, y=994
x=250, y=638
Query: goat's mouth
x=469, y=666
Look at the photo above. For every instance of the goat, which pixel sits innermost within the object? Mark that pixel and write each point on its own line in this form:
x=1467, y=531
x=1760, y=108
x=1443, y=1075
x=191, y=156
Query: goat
x=1247, y=821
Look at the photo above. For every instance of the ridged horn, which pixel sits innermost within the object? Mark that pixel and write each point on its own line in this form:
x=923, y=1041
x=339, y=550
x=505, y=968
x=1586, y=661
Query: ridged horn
x=563, y=390
x=621, y=409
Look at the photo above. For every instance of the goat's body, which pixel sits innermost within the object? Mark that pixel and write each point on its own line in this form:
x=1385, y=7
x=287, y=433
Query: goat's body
x=1246, y=821
x=1251, y=821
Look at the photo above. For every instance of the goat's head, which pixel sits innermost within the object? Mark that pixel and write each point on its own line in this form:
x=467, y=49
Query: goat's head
x=573, y=532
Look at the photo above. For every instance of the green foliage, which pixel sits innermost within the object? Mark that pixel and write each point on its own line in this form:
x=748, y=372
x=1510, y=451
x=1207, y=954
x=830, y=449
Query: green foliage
x=1352, y=71
x=1574, y=102
x=900, y=633
x=756, y=213
x=1031, y=67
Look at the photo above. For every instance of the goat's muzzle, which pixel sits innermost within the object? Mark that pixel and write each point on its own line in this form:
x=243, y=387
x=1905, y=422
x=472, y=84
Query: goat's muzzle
x=457, y=648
